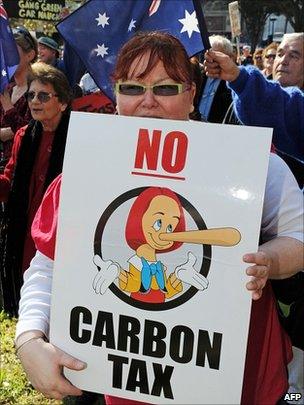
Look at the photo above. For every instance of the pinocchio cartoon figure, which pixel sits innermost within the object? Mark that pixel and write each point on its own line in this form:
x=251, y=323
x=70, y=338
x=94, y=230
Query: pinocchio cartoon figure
x=156, y=224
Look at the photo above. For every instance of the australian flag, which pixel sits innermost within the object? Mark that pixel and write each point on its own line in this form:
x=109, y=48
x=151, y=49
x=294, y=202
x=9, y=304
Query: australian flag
x=99, y=28
x=9, y=56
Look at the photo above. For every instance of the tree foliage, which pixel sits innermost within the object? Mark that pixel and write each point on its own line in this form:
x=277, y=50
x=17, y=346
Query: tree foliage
x=294, y=12
x=255, y=13
x=254, y=16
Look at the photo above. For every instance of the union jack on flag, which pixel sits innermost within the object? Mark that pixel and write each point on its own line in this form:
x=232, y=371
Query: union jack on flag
x=98, y=29
x=9, y=56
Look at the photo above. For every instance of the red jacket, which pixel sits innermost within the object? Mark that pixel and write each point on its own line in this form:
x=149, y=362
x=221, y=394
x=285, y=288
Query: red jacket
x=36, y=184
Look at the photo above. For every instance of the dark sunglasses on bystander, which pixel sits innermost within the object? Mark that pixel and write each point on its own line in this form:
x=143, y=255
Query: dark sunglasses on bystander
x=270, y=56
x=42, y=96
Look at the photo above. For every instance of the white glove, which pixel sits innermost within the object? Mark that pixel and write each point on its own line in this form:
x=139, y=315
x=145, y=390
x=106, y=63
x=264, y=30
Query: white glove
x=107, y=272
x=187, y=274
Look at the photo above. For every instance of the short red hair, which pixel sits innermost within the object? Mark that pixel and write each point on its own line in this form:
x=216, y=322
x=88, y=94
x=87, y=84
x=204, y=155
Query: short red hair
x=134, y=233
x=160, y=46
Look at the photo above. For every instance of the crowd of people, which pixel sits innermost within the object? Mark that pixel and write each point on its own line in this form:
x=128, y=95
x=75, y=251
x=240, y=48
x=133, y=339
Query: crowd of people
x=263, y=89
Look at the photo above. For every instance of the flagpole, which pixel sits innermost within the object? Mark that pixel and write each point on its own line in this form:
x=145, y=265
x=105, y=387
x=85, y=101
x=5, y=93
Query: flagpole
x=202, y=24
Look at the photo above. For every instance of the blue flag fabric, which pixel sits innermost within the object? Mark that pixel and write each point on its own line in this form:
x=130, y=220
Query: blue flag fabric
x=99, y=28
x=9, y=56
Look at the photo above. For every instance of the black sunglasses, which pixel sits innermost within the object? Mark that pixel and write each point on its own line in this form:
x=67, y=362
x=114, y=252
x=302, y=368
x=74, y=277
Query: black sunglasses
x=42, y=96
x=272, y=56
x=25, y=33
x=157, y=89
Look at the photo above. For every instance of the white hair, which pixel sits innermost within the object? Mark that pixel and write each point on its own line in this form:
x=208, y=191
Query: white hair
x=293, y=35
x=223, y=43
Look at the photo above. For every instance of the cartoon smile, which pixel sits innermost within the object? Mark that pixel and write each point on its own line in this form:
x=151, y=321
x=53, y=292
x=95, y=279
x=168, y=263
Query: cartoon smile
x=158, y=243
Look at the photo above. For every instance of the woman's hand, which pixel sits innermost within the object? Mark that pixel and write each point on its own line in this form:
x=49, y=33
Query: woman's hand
x=259, y=271
x=6, y=134
x=218, y=65
x=5, y=100
x=43, y=363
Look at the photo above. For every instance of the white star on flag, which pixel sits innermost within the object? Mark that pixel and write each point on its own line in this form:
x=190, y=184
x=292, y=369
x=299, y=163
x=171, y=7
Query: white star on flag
x=3, y=73
x=101, y=50
x=131, y=25
x=102, y=20
x=190, y=23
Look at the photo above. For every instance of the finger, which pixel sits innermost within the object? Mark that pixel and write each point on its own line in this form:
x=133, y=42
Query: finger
x=212, y=66
x=175, y=284
x=97, y=260
x=65, y=388
x=257, y=271
x=108, y=280
x=213, y=75
x=100, y=278
x=107, y=263
x=104, y=286
x=51, y=394
x=101, y=288
x=217, y=56
x=71, y=362
x=96, y=282
x=201, y=280
x=257, y=258
x=208, y=56
x=123, y=277
x=197, y=285
x=256, y=284
x=113, y=270
x=257, y=294
x=191, y=259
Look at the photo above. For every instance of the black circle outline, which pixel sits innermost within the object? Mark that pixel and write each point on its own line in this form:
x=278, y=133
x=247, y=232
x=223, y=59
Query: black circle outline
x=120, y=294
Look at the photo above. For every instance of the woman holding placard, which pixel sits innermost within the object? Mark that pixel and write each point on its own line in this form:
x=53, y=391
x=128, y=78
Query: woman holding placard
x=153, y=78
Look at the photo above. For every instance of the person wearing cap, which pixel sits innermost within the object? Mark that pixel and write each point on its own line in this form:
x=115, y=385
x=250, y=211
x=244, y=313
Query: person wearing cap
x=48, y=52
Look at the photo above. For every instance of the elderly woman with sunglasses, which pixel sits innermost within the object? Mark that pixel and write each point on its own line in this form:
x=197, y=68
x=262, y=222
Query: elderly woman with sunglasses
x=153, y=78
x=36, y=159
x=14, y=111
x=269, y=55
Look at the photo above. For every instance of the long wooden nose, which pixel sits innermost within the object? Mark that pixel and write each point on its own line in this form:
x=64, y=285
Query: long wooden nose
x=216, y=236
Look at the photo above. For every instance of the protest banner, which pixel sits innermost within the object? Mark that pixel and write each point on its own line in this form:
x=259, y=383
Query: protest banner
x=95, y=102
x=235, y=19
x=235, y=23
x=149, y=282
x=34, y=10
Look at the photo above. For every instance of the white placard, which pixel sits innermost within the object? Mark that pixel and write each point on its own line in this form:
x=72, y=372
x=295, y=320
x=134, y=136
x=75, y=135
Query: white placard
x=235, y=19
x=185, y=348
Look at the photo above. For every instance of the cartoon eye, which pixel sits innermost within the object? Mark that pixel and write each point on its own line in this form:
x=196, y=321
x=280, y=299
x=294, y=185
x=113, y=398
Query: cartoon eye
x=157, y=224
x=169, y=228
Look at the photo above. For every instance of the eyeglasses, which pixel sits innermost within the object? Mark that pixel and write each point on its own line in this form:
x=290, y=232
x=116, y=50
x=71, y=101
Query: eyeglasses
x=258, y=57
x=272, y=56
x=25, y=33
x=158, y=89
x=42, y=96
